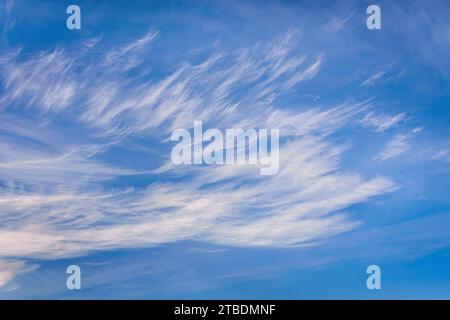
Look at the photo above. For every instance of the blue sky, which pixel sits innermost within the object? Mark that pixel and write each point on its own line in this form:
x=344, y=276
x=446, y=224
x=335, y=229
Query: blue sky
x=85, y=171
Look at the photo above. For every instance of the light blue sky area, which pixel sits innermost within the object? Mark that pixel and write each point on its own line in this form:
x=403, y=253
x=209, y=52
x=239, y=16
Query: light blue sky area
x=85, y=171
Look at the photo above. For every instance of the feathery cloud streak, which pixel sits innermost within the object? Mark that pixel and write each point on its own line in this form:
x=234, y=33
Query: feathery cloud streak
x=58, y=197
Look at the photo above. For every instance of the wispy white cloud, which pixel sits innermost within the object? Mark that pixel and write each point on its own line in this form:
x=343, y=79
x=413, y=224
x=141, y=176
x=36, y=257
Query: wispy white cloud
x=57, y=199
x=398, y=145
x=42, y=82
x=9, y=269
x=384, y=77
x=305, y=75
x=5, y=12
x=442, y=154
x=382, y=123
x=338, y=23
x=373, y=78
x=129, y=56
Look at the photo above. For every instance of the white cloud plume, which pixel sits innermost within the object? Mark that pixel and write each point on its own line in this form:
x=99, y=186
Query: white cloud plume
x=442, y=154
x=9, y=269
x=398, y=145
x=382, y=123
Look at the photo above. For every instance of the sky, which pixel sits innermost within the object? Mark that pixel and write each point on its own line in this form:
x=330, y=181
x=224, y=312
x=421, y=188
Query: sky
x=86, y=176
